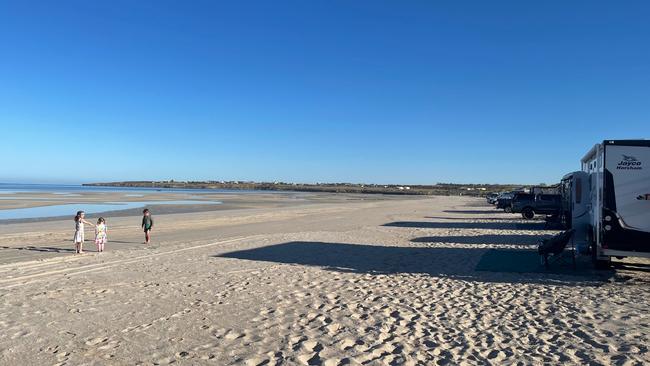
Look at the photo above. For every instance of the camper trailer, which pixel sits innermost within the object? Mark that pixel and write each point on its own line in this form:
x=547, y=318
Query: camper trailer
x=608, y=202
x=575, y=213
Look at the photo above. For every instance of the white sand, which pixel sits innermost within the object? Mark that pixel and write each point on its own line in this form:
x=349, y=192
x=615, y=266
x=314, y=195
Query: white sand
x=324, y=284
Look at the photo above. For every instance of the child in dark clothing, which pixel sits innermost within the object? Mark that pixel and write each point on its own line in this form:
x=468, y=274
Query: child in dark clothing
x=147, y=225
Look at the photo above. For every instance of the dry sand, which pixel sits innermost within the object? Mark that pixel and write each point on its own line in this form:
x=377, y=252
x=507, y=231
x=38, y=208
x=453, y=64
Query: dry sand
x=339, y=281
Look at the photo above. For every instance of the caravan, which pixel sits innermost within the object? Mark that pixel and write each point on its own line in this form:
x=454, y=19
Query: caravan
x=608, y=201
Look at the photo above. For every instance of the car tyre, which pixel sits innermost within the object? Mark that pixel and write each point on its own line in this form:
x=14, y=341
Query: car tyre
x=508, y=209
x=528, y=213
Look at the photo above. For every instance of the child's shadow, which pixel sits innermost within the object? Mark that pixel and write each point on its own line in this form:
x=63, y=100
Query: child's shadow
x=41, y=249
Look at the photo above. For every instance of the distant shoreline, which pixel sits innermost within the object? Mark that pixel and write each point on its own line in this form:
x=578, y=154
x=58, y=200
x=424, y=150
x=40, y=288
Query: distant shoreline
x=419, y=190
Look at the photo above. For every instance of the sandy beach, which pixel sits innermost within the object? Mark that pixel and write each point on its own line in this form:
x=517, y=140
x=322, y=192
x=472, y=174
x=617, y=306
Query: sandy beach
x=321, y=280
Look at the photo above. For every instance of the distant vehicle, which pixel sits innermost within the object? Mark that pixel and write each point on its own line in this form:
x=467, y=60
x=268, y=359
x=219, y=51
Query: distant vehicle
x=529, y=204
x=504, y=201
x=545, y=189
x=520, y=200
x=491, y=198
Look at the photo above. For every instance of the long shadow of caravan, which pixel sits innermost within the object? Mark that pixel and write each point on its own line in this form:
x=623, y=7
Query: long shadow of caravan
x=480, y=212
x=491, y=218
x=514, y=239
x=468, y=225
x=439, y=262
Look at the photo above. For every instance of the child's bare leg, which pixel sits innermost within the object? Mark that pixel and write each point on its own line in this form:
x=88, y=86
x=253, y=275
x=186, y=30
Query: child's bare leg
x=81, y=247
x=76, y=247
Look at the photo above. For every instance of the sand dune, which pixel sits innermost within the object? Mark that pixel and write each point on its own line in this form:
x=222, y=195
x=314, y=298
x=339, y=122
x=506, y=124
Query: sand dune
x=381, y=282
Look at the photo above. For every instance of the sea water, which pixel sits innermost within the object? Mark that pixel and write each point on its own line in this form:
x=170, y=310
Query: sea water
x=90, y=208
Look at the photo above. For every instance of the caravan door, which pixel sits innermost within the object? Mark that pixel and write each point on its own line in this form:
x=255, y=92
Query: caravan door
x=626, y=198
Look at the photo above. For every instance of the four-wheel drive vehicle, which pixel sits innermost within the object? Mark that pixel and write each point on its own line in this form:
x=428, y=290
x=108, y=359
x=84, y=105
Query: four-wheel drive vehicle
x=504, y=200
x=521, y=200
x=530, y=205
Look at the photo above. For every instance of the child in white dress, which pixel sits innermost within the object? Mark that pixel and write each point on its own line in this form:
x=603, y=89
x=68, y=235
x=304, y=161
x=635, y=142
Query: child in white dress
x=78, y=239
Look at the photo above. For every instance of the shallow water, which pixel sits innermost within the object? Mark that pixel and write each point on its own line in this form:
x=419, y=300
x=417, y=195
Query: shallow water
x=90, y=208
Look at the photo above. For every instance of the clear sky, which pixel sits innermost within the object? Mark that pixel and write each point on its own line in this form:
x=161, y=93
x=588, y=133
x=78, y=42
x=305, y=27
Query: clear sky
x=308, y=91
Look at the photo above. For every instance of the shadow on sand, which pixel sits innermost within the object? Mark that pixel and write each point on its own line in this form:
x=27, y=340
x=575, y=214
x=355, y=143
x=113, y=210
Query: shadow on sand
x=439, y=262
x=515, y=239
x=519, y=219
x=636, y=267
x=41, y=249
x=125, y=242
x=473, y=212
x=469, y=225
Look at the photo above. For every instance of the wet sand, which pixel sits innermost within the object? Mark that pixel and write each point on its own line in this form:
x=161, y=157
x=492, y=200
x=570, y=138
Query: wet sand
x=35, y=199
x=160, y=202
x=330, y=280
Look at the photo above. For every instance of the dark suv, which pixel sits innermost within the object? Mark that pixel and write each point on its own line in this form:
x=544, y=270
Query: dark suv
x=530, y=205
x=491, y=198
x=504, y=201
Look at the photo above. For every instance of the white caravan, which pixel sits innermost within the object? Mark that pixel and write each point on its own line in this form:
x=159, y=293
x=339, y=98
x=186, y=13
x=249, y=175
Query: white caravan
x=608, y=201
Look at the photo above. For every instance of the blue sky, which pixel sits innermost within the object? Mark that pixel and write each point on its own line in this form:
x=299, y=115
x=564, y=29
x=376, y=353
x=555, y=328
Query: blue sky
x=307, y=91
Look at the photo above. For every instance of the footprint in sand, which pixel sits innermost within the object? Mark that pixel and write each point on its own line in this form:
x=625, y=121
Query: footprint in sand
x=105, y=291
x=232, y=335
x=96, y=341
x=333, y=328
x=313, y=346
x=309, y=359
x=21, y=334
x=256, y=361
x=110, y=345
x=347, y=343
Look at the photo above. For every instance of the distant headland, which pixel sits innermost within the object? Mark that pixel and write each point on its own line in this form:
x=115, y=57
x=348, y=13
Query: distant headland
x=445, y=189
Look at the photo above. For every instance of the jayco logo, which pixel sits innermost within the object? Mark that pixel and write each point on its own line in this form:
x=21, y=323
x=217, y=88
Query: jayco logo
x=629, y=163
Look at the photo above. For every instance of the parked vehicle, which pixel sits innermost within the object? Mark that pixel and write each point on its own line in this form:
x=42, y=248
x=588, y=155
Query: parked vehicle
x=491, y=198
x=608, y=202
x=520, y=200
x=529, y=204
x=504, y=201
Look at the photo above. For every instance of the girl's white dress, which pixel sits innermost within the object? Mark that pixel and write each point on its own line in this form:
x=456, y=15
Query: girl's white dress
x=79, y=232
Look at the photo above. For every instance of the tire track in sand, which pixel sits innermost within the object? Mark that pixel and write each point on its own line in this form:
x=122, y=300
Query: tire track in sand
x=99, y=266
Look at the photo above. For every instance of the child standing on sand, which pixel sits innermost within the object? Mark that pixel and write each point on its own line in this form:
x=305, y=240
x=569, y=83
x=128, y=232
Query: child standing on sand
x=147, y=225
x=101, y=234
x=78, y=239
